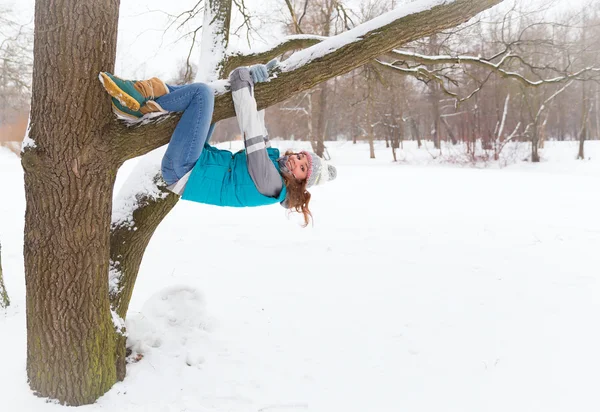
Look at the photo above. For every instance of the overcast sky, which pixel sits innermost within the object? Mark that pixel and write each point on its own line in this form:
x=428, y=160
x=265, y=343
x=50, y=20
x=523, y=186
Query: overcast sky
x=144, y=49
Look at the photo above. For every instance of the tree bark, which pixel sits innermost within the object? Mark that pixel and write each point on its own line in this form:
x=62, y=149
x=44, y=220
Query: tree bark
x=69, y=178
x=583, y=131
x=127, y=246
x=370, y=119
x=322, y=120
x=4, y=300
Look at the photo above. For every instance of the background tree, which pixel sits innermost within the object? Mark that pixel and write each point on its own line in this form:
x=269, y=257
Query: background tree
x=4, y=300
x=457, y=83
x=15, y=79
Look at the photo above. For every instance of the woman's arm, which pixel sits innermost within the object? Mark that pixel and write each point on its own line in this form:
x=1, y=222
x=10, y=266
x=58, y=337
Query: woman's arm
x=263, y=172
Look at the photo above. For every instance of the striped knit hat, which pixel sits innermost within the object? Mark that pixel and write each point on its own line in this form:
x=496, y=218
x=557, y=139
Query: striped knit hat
x=319, y=171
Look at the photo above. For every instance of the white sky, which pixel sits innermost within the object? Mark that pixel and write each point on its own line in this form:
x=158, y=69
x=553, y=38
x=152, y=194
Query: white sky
x=145, y=50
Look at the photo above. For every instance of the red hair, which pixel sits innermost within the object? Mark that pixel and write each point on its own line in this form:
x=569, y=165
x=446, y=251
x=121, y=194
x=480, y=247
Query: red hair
x=297, y=197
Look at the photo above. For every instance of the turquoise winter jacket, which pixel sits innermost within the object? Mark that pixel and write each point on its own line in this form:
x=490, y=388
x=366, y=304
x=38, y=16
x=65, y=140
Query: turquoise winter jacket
x=221, y=178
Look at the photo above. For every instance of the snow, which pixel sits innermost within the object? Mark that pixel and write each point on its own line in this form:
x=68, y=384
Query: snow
x=422, y=286
x=262, y=48
x=333, y=43
x=212, y=50
x=140, y=186
x=28, y=142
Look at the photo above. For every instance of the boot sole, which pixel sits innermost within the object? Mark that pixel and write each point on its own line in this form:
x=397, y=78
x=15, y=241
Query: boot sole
x=115, y=91
x=123, y=114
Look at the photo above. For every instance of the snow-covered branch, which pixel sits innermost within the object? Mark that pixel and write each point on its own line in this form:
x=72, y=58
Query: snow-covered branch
x=215, y=37
x=140, y=206
x=495, y=67
x=305, y=69
x=288, y=43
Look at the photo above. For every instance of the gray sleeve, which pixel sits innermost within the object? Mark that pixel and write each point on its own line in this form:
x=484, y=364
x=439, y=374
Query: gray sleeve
x=263, y=172
x=265, y=176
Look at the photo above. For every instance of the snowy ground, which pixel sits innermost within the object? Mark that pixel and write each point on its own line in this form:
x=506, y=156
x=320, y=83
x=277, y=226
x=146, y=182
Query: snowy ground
x=421, y=287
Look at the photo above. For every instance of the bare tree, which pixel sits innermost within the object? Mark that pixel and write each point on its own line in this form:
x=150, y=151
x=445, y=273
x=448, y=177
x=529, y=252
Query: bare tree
x=15, y=79
x=4, y=300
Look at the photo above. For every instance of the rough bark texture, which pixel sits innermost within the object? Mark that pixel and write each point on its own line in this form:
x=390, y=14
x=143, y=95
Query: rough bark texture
x=127, y=246
x=238, y=60
x=4, y=300
x=69, y=179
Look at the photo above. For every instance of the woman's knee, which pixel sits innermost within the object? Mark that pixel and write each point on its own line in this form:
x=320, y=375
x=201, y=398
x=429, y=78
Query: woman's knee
x=204, y=91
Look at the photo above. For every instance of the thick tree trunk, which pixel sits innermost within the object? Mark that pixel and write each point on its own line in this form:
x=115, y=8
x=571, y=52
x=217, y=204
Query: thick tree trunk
x=69, y=178
x=4, y=300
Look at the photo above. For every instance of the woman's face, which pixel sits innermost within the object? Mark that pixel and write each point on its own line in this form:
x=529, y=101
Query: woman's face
x=297, y=164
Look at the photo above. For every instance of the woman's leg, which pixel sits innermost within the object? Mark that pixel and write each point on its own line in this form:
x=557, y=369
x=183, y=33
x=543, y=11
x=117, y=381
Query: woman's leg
x=196, y=101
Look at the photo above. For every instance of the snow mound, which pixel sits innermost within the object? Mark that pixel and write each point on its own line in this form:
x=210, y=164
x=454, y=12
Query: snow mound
x=174, y=322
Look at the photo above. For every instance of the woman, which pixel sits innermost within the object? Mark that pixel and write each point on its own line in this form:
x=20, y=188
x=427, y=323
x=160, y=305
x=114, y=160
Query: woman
x=202, y=173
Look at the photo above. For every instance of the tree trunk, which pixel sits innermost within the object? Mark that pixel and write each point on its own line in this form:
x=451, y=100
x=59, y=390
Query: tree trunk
x=415, y=132
x=4, y=300
x=321, y=120
x=449, y=130
x=215, y=38
x=370, y=120
x=127, y=246
x=535, y=157
x=584, y=117
x=69, y=178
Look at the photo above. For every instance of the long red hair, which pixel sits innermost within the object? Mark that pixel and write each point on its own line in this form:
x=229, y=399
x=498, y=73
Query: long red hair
x=297, y=197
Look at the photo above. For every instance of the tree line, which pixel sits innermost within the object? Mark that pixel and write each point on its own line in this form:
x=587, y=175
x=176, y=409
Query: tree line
x=513, y=74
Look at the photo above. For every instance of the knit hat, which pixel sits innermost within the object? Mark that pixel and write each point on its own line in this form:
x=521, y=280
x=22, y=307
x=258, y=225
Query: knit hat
x=319, y=171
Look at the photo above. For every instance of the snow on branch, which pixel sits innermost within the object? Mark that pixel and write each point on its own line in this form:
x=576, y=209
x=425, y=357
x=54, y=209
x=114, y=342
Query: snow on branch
x=293, y=42
x=215, y=37
x=143, y=185
x=305, y=69
x=138, y=209
x=480, y=61
x=358, y=33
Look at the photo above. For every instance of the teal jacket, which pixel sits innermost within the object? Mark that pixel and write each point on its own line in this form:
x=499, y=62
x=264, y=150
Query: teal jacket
x=222, y=178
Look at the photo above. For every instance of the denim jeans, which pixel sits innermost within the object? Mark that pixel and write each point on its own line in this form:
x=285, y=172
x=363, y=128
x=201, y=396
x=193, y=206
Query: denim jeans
x=194, y=129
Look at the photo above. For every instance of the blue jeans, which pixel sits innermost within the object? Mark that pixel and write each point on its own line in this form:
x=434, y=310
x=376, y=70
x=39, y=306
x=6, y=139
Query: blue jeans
x=194, y=129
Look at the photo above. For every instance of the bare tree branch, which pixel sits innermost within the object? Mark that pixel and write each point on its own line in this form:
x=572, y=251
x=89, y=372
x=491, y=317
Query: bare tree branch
x=497, y=67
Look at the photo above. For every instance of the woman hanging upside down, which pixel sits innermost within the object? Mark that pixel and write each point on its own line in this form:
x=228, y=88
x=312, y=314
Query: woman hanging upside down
x=199, y=172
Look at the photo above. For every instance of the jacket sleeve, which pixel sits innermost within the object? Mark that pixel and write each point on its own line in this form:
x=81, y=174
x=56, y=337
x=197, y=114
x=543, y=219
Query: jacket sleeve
x=264, y=174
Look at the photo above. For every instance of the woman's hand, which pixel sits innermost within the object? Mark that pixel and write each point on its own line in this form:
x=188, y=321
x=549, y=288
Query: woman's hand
x=260, y=72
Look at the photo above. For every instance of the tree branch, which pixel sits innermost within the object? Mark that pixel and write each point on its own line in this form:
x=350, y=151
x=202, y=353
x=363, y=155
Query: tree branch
x=304, y=69
x=496, y=67
x=294, y=42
